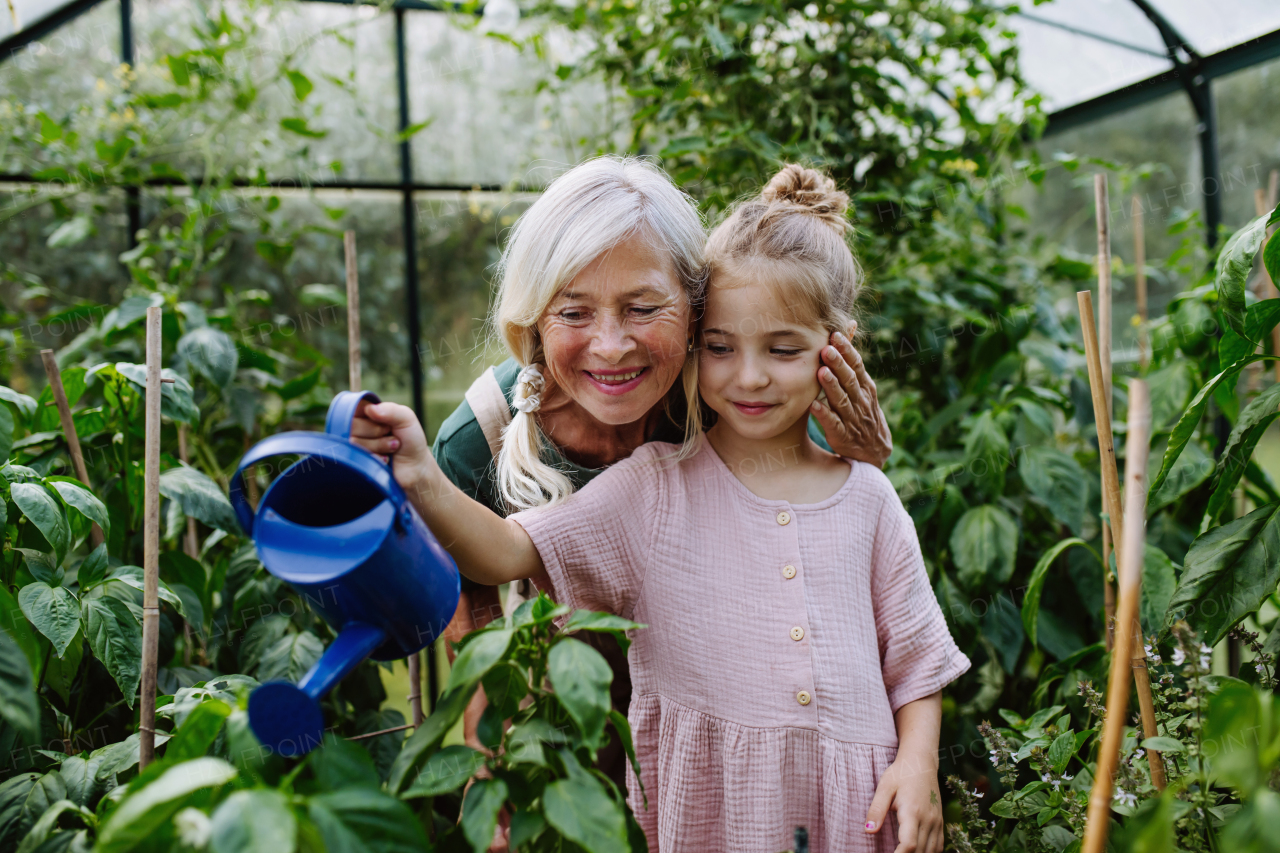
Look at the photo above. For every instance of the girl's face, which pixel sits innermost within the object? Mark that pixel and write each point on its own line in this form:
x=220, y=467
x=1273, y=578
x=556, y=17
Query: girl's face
x=758, y=368
x=615, y=337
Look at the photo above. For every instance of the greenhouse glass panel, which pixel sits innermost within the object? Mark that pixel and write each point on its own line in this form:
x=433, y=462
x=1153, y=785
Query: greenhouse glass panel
x=460, y=238
x=22, y=14
x=1213, y=26
x=1156, y=146
x=315, y=89
x=1248, y=136
x=486, y=125
x=51, y=259
x=65, y=72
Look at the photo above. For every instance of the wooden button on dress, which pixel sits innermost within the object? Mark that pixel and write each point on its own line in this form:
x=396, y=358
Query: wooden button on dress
x=788, y=572
x=784, y=517
x=797, y=633
x=803, y=697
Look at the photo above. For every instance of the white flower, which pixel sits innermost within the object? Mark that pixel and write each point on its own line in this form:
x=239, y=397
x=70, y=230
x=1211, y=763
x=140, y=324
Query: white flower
x=977, y=793
x=1150, y=648
x=1126, y=798
x=1179, y=656
x=194, y=827
x=1206, y=656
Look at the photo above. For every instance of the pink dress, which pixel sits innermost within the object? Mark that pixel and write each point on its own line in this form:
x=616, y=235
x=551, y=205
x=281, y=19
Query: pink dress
x=782, y=638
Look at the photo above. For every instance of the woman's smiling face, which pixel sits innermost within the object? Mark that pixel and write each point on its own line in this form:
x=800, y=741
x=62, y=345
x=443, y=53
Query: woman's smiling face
x=615, y=338
x=758, y=368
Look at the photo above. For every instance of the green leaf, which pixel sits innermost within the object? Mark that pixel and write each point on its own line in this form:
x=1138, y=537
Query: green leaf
x=80, y=774
x=176, y=402
x=253, y=821
x=19, y=629
x=300, y=385
x=25, y=405
x=1192, y=468
x=524, y=741
x=1150, y=828
x=133, y=576
x=116, y=639
x=15, y=819
x=291, y=657
x=300, y=127
x=18, y=705
x=198, y=731
x=148, y=808
x=70, y=233
x=1035, y=586
x=986, y=454
x=341, y=763
x=200, y=497
x=1159, y=579
x=365, y=820
x=1058, y=481
x=1061, y=750
x=984, y=543
x=413, y=130
x=504, y=686
x=45, y=513
x=480, y=812
x=1248, y=429
x=1259, y=320
x=1170, y=387
x=1271, y=259
x=426, y=739
x=447, y=770
x=84, y=502
x=1231, y=273
x=7, y=429
x=211, y=352
x=623, y=727
x=1228, y=572
x=480, y=655
x=582, y=811
x=179, y=68
x=525, y=827
x=1163, y=744
x=1237, y=725
x=301, y=83
x=589, y=620
x=1187, y=424
x=53, y=610
x=684, y=145
x=581, y=678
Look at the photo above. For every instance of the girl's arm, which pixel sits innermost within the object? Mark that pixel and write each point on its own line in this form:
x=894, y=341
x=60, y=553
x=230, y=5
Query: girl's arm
x=488, y=549
x=910, y=785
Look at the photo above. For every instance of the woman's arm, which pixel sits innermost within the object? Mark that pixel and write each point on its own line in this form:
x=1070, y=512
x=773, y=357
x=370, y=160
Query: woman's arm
x=910, y=785
x=487, y=548
x=851, y=417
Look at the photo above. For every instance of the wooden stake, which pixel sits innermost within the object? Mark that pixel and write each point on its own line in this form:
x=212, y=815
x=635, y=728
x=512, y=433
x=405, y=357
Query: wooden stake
x=1111, y=489
x=69, y=430
x=151, y=546
x=354, y=382
x=1102, y=215
x=353, y=310
x=1140, y=280
x=1127, y=639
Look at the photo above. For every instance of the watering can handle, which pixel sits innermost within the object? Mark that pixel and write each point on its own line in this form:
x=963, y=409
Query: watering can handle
x=343, y=410
x=329, y=448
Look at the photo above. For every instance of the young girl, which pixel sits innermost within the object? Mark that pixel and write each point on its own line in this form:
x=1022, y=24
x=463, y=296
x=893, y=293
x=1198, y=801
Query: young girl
x=791, y=670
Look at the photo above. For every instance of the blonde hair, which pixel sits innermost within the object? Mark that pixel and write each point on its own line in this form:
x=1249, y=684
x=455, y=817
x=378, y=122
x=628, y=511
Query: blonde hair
x=794, y=235
x=582, y=215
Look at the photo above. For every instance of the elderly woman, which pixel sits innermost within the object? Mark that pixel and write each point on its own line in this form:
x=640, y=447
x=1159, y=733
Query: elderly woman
x=601, y=282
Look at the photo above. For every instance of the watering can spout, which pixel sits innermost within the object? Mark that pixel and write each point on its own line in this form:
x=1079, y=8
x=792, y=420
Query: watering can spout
x=285, y=717
x=337, y=527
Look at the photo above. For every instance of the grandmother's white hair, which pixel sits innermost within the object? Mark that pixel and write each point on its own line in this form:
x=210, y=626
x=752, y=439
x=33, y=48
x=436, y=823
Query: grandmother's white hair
x=584, y=213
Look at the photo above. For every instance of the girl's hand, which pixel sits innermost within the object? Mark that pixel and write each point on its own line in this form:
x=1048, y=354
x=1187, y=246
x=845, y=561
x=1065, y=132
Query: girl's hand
x=910, y=788
x=851, y=415
x=392, y=430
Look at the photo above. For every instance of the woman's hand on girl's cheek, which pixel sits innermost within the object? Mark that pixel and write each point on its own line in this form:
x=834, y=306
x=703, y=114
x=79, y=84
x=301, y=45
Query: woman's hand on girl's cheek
x=392, y=430
x=851, y=415
x=911, y=791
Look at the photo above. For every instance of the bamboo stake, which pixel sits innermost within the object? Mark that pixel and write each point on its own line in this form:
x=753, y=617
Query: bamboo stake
x=354, y=381
x=151, y=546
x=1102, y=215
x=353, y=310
x=1111, y=488
x=1140, y=280
x=69, y=430
x=1099, y=811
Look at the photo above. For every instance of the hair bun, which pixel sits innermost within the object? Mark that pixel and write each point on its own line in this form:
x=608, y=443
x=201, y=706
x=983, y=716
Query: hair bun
x=811, y=190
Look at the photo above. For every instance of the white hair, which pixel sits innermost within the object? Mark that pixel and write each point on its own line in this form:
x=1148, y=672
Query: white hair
x=584, y=213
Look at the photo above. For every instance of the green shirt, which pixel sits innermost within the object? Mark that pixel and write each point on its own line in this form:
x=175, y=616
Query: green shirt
x=463, y=453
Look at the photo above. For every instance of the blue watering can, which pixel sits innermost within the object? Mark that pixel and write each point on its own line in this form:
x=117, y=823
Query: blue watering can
x=337, y=527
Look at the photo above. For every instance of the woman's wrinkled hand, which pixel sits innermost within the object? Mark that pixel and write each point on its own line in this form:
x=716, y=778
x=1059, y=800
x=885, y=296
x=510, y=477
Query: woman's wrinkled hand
x=393, y=432
x=851, y=415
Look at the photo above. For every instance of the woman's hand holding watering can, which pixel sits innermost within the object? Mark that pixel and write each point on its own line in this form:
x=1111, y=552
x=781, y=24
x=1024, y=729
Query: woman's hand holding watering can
x=392, y=430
